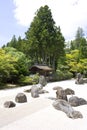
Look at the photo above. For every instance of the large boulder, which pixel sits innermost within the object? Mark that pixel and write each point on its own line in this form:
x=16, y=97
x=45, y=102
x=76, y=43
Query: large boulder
x=75, y=101
x=69, y=91
x=21, y=98
x=60, y=94
x=64, y=106
x=42, y=81
x=9, y=104
x=35, y=91
x=82, y=101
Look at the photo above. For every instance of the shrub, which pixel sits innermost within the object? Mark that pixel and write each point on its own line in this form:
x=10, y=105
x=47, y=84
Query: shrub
x=67, y=75
x=2, y=85
x=62, y=75
x=35, y=78
x=28, y=80
x=25, y=80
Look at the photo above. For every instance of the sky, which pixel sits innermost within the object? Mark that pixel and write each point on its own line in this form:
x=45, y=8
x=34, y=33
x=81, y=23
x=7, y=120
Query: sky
x=17, y=15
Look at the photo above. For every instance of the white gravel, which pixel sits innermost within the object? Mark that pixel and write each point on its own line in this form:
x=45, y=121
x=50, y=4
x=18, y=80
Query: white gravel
x=38, y=113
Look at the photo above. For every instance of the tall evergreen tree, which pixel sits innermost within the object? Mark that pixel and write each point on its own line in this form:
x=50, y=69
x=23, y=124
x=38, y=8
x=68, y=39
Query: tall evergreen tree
x=78, y=37
x=13, y=42
x=45, y=40
x=83, y=48
x=79, y=40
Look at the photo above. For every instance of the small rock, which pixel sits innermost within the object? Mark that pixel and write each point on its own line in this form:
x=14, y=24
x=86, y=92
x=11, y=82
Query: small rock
x=21, y=98
x=9, y=104
x=60, y=94
x=76, y=101
x=35, y=91
x=77, y=114
x=57, y=88
x=42, y=81
x=28, y=90
x=42, y=91
x=69, y=91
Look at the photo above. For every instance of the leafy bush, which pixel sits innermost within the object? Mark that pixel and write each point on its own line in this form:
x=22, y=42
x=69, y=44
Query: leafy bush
x=2, y=85
x=25, y=80
x=59, y=74
x=36, y=78
x=28, y=80
x=62, y=75
x=67, y=75
x=12, y=65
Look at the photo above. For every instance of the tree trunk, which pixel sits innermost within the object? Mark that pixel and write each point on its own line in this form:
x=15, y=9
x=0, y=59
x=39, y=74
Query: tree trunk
x=53, y=64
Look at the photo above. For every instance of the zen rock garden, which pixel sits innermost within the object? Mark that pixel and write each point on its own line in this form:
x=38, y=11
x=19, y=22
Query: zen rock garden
x=64, y=104
x=61, y=103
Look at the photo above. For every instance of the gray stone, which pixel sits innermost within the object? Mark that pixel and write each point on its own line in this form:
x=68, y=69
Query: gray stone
x=42, y=81
x=76, y=115
x=85, y=80
x=60, y=94
x=42, y=91
x=9, y=104
x=27, y=90
x=35, y=91
x=82, y=101
x=79, y=79
x=64, y=106
x=57, y=88
x=78, y=76
x=69, y=91
x=75, y=101
x=21, y=98
x=76, y=82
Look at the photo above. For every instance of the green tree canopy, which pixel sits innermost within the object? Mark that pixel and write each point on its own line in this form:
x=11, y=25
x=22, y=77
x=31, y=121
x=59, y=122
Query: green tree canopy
x=45, y=40
x=13, y=42
x=13, y=64
x=75, y=44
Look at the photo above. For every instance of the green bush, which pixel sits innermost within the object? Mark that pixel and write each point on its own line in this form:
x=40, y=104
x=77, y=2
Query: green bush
x=62, y=75
x=28, y=80
x=2, y=85
x=67, y=75
x=36, y=78
x=12, y=64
